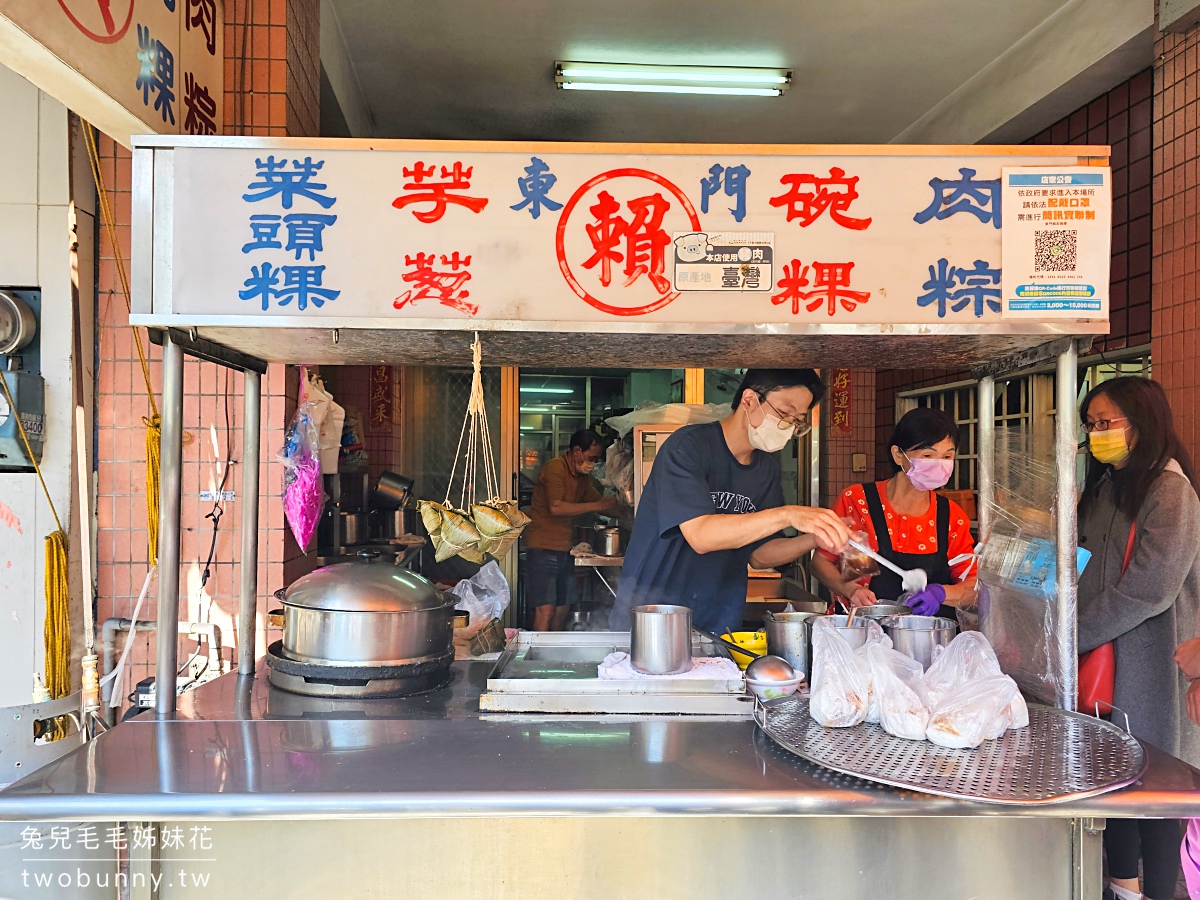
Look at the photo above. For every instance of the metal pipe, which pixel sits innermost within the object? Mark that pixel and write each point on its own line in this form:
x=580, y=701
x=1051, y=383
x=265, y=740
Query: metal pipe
x=170, y=492
x=985, y=414
x=1067, y=537
x=248, y=602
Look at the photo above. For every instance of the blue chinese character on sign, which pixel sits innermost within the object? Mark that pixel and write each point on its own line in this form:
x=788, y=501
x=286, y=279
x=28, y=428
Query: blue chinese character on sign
x=304, y=232
x=169, y=4
x=981, y=285
x=961, y=288
x=535, y=188
x=156, y=74
x=979, y=198
x=300, y=283
x=734, y=184
x=261, y=284
x=265, y=233
x=274, y=179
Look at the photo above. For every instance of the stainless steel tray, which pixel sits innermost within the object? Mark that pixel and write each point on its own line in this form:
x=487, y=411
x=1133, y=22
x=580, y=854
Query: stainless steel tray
x=1060, y=756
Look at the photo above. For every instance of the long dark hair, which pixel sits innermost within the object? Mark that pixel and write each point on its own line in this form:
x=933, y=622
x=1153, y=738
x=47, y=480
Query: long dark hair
x=920, y=429
x=1144, y=403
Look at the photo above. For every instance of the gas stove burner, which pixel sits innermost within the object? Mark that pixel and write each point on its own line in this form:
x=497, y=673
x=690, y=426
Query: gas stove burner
x=363, y=682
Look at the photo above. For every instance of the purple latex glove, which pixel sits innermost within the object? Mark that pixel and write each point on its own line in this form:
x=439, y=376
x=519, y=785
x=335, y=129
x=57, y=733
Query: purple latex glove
x=926, y=602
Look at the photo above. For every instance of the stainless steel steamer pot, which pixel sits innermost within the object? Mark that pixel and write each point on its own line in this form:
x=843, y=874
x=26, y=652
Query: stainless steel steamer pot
x=368, y=613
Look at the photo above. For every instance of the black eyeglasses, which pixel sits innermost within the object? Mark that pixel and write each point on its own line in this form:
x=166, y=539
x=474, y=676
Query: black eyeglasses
x=1102, y=424
x=800, y=424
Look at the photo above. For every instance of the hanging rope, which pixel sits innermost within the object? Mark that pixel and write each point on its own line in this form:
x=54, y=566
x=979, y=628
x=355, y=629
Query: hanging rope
x=57, y=632
x=152, y=422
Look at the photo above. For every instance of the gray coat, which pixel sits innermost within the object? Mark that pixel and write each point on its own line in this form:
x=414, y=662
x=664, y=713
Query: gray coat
x=1149, y=610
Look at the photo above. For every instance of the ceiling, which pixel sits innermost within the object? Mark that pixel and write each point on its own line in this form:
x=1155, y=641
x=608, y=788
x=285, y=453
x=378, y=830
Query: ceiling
x=864, y=70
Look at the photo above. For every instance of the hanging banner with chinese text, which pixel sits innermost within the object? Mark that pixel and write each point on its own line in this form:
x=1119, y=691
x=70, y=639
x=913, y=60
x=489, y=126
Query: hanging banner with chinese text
x=1057, y=242
x=161, y=60
x=841, y=393
x=467, y=237
x=381, y=400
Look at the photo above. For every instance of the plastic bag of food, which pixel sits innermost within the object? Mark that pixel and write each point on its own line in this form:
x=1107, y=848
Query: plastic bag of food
x=875, y=636
x=854, y=564
x=969, y=657
x=840, y=680
x=976, y=712
x=484, y=596
x=898, y=687
x=302, y=493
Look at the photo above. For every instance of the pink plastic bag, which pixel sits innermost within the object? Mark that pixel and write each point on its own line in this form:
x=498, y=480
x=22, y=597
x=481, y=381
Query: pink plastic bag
x=302, y=493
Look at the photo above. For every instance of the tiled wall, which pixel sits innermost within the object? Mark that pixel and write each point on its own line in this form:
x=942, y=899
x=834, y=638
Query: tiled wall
x=1121, y=118
x=838, y=472
x=273, y=91
x=1176, y=213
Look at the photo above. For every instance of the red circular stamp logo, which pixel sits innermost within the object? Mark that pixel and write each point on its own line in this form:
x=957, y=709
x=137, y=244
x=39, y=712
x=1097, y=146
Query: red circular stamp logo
x=103, y=21
x=621, y=240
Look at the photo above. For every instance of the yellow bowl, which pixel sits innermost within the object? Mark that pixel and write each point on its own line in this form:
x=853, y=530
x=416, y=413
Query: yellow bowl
x=754, y=641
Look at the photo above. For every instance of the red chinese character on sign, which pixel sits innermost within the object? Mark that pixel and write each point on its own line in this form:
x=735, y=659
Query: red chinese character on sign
x=381, y=399
x=829, y=283
x=443, y=286
x=794, y=277
x=435, y=192
x=808, y=196
x=644, y=238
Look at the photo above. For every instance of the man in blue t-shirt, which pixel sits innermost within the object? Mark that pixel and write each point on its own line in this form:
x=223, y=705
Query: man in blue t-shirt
x=714, y=502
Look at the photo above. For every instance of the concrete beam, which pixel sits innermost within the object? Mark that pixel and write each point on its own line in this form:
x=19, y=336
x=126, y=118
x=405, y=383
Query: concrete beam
x=30, y=59
x=343, y=77
x=1084, y=49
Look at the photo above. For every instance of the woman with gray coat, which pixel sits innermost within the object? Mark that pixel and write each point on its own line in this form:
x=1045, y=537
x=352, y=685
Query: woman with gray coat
x=1141, y=487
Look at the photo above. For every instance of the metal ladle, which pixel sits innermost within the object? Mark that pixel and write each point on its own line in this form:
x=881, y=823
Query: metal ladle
x=912, y=580
x=729, y=644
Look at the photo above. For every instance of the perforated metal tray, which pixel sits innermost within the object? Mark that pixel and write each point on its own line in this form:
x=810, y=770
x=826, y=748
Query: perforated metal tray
x=1060, y=756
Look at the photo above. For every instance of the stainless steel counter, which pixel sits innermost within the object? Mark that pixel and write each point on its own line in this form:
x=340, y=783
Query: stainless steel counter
x=240, y=748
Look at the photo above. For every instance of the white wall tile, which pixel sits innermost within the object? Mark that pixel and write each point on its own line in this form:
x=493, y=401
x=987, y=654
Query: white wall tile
x=18, y=243
x=19, y=148
x=53, y=163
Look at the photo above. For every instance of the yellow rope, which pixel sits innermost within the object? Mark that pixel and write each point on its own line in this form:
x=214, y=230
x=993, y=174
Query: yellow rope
x=57, y=634
x=153, y=434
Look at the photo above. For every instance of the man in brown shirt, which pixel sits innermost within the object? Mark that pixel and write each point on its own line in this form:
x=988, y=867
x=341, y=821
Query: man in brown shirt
x=565, y=489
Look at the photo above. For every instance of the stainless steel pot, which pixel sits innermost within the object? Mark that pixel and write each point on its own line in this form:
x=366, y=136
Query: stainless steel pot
x=882, y=610
x=367, y=613
x=788, y=638
x=389, y=524
x=392, y=490
x=660, y=639
x=607, y=541
x=353, y=528
x=916, y=636
x=854, y=632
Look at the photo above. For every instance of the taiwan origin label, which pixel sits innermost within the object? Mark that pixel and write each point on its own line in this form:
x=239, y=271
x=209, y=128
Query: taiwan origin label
x=723, y=261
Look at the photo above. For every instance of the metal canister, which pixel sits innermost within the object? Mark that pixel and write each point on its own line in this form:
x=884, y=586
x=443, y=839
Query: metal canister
x=787, y=637
x=916, y=636
x=660, y=639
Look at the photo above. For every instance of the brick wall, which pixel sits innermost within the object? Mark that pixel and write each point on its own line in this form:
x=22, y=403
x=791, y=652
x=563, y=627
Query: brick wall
x=271, y=87
x=1176, y=164
x=1122, y=118
x=838, y=473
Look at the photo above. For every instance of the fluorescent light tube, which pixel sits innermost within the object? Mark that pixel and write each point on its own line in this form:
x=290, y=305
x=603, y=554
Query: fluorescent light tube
x=670, y=89
x=651, y=79
x=546, y=390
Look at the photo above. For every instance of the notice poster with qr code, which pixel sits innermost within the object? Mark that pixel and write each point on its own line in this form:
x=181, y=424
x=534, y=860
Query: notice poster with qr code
x=1056, y=242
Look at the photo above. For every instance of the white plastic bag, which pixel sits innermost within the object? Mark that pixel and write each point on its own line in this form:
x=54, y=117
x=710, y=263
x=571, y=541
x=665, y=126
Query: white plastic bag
x=484, y=596
x=840, y=680
x=974, y=713
x=969, y=657
x=898, y=689
x=875, y=637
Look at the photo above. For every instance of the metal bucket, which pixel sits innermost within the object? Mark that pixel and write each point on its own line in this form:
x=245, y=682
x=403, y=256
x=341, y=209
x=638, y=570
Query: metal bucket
x=660, y=639
x=854, y=633
x=916, y=636
x=787, y=637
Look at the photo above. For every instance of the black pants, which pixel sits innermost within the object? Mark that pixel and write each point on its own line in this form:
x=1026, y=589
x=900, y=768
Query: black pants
x=1156, y=842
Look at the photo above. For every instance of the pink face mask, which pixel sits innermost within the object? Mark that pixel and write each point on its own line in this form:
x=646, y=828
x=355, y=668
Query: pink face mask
x=929, y=474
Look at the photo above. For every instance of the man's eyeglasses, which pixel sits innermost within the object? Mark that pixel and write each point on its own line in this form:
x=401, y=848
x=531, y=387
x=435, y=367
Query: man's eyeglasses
x=800, y=423
x=1102, y=424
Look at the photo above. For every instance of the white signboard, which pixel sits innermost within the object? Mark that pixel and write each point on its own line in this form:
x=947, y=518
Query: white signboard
x=469, y=237
x=1057, y=242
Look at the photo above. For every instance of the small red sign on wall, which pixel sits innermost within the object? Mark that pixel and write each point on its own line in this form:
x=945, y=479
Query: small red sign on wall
x=381, y=400
x=840, y=388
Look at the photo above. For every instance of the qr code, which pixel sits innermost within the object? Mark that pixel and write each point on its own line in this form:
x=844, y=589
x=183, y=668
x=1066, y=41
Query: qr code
x=1054, y=251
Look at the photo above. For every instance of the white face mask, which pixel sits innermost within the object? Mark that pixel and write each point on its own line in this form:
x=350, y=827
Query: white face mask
x=768, y=436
